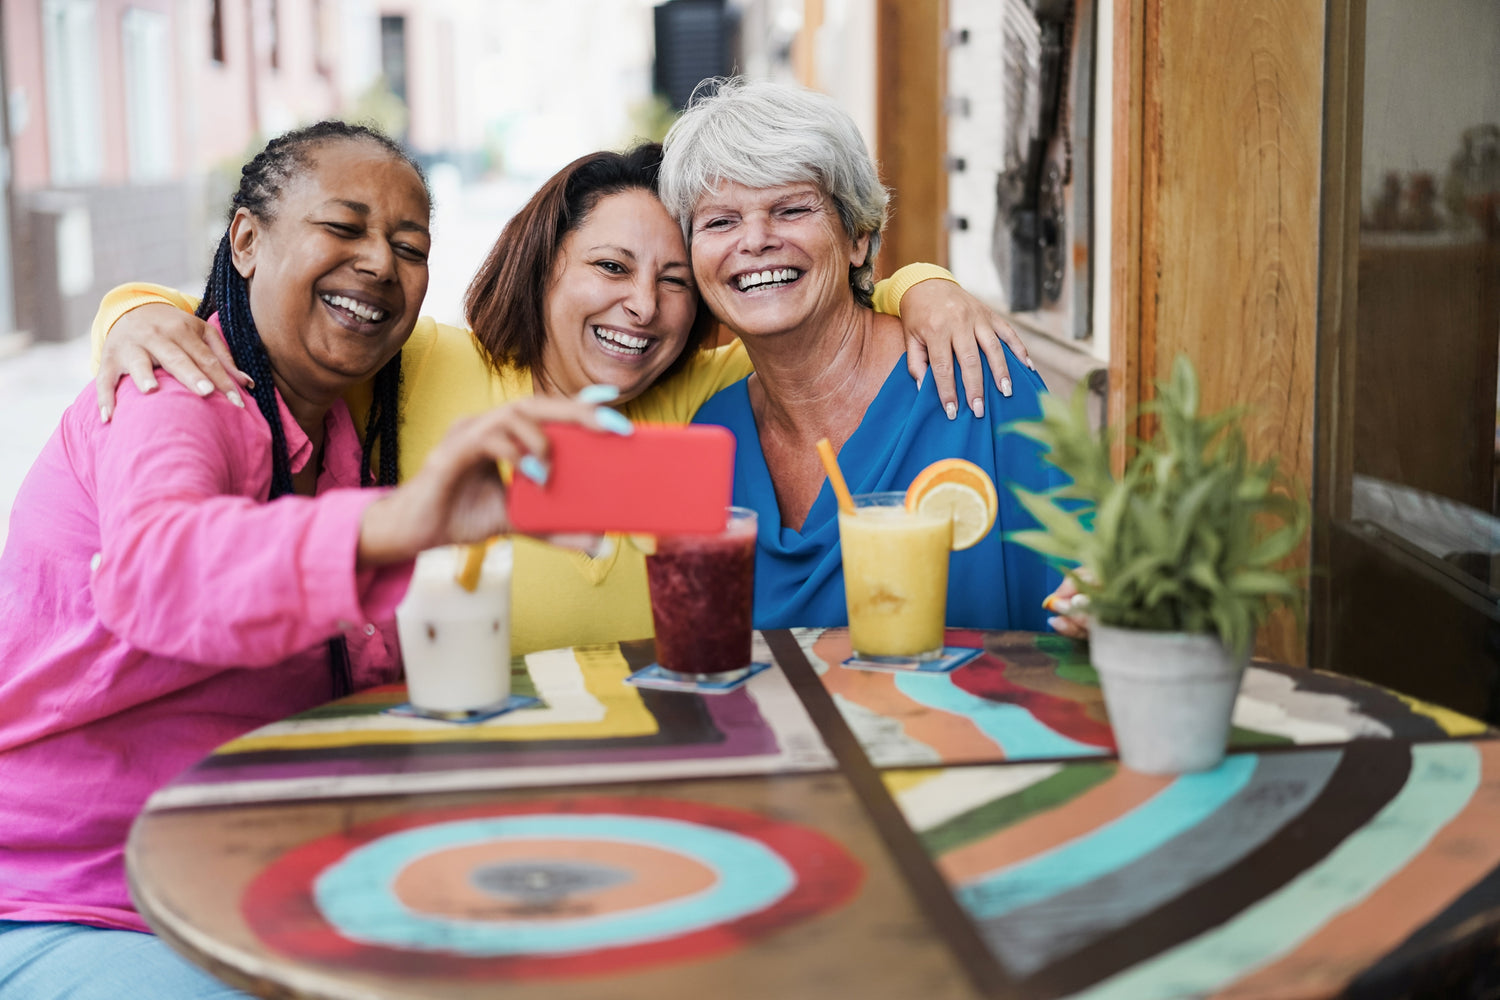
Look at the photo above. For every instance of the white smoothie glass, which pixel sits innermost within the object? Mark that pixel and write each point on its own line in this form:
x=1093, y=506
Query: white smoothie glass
x=456, y=642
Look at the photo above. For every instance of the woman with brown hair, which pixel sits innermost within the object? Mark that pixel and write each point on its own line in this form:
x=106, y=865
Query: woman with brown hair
x=588, y=287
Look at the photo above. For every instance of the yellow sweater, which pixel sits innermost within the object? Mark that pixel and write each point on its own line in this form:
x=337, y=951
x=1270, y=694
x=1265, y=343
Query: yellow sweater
x=559, y=597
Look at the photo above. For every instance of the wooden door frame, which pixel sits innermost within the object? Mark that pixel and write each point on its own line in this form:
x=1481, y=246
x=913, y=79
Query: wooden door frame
x=1216, y=216
x=1338, y=299
x=1128, y=127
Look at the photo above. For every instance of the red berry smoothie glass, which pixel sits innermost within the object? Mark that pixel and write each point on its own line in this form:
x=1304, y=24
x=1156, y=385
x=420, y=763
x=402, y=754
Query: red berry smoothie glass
x=702, y=590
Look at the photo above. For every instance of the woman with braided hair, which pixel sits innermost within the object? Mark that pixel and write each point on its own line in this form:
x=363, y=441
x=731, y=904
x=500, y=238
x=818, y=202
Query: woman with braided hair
x=194, y=569
x=589, y=283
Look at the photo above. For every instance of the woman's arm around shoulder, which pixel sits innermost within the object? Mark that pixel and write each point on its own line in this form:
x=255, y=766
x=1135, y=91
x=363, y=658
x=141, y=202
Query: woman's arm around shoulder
x=947, y=326
x=157, y=328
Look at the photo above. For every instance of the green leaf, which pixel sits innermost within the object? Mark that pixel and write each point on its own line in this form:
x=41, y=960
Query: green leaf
x=1153, y=527
x=1202, y=573
x=1043, y=544
x=1189, y=535
x=1188, y=507
x=1258, y=583
x=1062, y=524
x=1276, y=546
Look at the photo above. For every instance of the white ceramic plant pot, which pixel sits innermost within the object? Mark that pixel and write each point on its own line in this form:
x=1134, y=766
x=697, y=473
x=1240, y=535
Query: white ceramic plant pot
x=1170, y=696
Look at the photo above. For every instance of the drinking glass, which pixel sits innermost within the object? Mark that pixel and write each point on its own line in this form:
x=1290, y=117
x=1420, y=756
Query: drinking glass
x=895, y=578
x=702, y=592
x=456, y=642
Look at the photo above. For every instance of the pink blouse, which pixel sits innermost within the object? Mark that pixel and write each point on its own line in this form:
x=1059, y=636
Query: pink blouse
x=153, y=605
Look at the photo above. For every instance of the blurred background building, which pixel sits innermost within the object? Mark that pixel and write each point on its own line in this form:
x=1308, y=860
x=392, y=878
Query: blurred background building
x=126, y=121
x=1303, y=196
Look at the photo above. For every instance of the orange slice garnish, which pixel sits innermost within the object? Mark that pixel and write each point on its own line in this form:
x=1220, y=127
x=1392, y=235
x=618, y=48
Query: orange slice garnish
x=958, y=489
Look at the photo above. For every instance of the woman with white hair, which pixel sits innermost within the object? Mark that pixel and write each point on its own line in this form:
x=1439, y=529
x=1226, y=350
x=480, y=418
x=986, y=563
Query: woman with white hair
x=782, y=207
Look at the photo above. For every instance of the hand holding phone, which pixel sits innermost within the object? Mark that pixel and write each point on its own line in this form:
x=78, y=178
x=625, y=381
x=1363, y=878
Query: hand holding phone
x=658, y=481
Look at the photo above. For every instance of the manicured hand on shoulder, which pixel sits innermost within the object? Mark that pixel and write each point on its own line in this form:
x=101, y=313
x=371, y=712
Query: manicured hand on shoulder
x=158, y=335
x=943, y=324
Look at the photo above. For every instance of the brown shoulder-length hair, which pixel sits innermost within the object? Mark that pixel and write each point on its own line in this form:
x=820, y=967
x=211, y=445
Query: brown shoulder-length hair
x=505, y=302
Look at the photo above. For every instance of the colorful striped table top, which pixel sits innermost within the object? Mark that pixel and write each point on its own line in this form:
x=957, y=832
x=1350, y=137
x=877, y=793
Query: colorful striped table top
x=828, y=832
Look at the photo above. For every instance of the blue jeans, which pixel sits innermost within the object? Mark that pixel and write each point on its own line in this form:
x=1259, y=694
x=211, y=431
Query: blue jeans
x=58, y=961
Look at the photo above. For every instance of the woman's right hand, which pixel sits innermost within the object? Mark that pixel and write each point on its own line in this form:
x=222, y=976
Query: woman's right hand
x=458, y=496
x=947, y=326
x=158, y=335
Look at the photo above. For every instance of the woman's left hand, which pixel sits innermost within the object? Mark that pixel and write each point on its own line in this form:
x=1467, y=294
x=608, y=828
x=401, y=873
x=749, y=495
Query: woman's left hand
x=458, y=496
x=944, y=323
x=1067, y=606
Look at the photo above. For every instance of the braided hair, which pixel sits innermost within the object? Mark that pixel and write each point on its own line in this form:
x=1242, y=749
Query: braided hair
x=228, y=294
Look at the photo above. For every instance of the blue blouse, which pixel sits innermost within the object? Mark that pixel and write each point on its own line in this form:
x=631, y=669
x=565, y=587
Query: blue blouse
x=799, y=578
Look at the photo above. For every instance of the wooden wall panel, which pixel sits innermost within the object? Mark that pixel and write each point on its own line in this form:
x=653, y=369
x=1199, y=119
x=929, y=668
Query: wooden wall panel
x=1228, y=159
x=910, y=129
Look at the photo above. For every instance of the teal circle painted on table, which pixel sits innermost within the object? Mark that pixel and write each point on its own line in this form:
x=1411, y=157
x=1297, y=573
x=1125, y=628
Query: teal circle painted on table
x=355, y=894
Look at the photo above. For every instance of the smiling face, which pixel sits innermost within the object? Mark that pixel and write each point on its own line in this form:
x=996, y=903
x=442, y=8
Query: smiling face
x=620, y=302
x=337, y=277
x=769, y=260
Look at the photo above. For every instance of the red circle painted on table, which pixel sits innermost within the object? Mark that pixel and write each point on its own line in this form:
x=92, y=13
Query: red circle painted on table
x=280, y=908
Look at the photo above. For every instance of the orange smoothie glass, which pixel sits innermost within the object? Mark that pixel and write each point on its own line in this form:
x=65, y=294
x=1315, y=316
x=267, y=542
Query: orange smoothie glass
x=895, y=578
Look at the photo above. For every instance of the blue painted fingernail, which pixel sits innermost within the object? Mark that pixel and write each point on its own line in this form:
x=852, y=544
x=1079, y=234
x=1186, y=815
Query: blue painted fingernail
x=613, y=421
x=599, y=394
x=534, y=469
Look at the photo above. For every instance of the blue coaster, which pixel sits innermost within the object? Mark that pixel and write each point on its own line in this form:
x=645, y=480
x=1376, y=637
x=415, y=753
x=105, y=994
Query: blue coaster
x=510, y=704
x=953, y=657
x=659, y=679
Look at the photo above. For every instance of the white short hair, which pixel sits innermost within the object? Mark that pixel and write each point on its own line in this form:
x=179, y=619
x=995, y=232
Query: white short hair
x=765, y=135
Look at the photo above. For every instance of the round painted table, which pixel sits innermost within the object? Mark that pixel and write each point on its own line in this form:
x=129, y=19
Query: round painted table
x=829, y=832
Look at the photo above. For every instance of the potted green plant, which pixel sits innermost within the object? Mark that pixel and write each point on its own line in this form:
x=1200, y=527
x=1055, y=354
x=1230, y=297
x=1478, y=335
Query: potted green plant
x=1180, y=559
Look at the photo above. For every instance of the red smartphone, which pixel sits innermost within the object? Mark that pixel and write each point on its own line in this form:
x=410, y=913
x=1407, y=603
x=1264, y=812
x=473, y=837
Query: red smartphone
x=658, y=481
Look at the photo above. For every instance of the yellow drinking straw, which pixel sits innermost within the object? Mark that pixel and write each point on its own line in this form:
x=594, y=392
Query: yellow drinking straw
x=831, y=466
x=467, y=576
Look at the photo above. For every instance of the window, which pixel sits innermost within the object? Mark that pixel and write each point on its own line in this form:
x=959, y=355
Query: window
x=393, y=54
x=1020, y=103
x=71, y=52
x=1412, y=598
x=274, y=18
x=216, y=31
x=322, y=35
x=145, y=38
